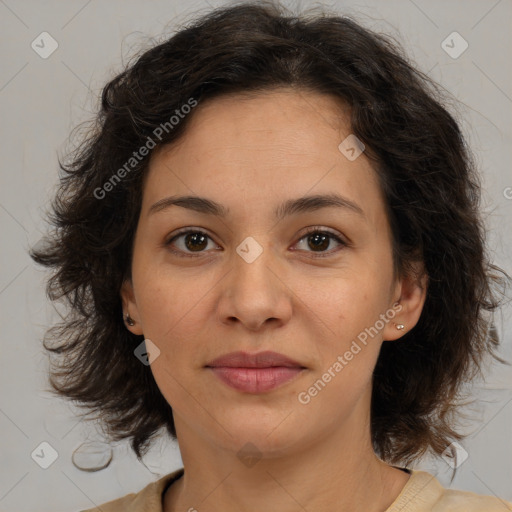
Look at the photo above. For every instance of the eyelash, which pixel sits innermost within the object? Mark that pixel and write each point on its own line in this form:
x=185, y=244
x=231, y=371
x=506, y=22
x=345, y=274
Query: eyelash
x=312, y=230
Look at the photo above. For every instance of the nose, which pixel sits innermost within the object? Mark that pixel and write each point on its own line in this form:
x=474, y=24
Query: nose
x=255, y=294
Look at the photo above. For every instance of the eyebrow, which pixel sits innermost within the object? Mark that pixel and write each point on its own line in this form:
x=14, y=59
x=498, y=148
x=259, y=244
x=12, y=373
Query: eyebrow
x=289, y=207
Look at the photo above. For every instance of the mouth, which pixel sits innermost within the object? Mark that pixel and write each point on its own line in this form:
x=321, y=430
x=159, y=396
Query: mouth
x=255, y=373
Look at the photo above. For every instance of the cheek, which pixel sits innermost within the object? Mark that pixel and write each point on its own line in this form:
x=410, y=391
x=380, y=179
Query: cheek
x=174, y=319
x=347, y=304
x=174, y=316
x=348, y=349
x=166, y=295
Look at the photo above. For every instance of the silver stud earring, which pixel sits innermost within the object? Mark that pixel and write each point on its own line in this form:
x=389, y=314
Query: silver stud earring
x=129, y=320
x=400, y=326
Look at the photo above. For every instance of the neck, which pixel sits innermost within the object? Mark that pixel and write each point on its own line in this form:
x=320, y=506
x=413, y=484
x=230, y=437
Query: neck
x=336, y=471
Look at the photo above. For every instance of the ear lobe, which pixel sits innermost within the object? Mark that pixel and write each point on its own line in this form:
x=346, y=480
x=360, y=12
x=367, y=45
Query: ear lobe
x=412, y=295
x=130, y=308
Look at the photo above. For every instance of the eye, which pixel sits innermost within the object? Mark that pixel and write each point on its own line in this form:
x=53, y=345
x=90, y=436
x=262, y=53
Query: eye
x=319, y=240
x=189, y=241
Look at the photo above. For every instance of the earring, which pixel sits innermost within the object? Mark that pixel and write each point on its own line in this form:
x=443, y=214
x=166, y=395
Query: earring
x=400, y=326
x=129, y=320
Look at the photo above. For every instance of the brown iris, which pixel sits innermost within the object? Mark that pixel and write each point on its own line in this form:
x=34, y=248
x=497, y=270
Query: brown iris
x=320, y=241
x=196, y=241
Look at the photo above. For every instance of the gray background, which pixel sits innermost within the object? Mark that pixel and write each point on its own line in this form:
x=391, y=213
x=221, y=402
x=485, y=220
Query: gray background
x=41, y=100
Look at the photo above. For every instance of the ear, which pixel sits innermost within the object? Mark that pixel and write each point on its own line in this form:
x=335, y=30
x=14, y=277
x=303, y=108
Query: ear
x=410, y=292
x=130, y=307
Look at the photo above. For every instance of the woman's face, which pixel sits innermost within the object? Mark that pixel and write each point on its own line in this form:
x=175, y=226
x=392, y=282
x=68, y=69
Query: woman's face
x=251, y=279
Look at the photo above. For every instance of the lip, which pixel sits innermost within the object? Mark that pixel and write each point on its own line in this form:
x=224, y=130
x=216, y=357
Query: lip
x=265, y=359
x=255, y=373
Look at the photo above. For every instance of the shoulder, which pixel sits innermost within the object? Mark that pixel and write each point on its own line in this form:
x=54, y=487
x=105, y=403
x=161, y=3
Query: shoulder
x=149, y=499
x=423, y=493
x=464, y=501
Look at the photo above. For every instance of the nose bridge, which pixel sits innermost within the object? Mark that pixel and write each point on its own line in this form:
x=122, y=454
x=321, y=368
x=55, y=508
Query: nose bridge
x=253, y=292
x=252, y=272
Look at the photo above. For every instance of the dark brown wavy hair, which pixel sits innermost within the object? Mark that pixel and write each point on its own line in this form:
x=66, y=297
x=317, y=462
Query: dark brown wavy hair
x=424, y=166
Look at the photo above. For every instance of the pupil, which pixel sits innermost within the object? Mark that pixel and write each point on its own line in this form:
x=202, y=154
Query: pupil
x=320, y=241
x=192, y=239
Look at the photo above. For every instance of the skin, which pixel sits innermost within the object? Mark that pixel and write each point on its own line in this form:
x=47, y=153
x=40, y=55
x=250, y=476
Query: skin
x=250, y=153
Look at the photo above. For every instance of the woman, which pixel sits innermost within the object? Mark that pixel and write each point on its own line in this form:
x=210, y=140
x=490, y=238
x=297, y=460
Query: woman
x=271, y=247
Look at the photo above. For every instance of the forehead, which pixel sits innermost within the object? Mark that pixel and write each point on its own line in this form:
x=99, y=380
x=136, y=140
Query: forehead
x=264, y=146
x=299, y=121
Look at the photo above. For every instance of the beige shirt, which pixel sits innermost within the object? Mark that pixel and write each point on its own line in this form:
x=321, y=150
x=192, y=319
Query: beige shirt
x=421, y=493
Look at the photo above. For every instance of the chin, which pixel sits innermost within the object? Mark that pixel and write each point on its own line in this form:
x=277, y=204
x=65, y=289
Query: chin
x=272, y=437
